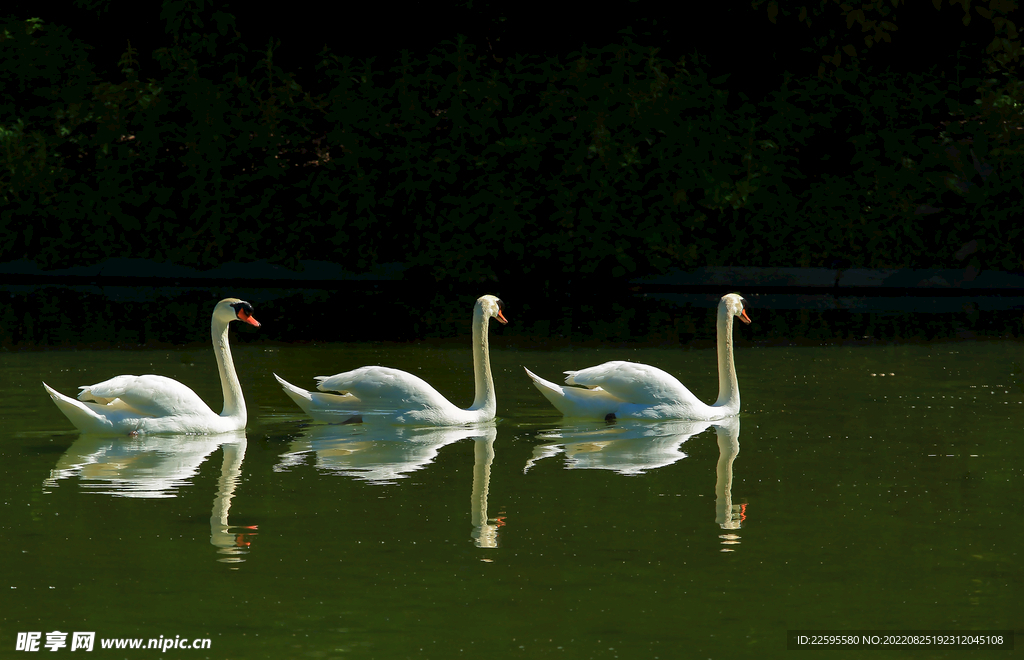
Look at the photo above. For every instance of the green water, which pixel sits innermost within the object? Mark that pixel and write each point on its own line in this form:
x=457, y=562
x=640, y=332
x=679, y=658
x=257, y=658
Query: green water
x=863, y=487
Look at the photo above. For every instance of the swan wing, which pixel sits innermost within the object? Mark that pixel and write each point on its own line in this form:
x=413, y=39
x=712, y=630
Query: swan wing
x=384, y=387
x=149, y=396
x=633, y=382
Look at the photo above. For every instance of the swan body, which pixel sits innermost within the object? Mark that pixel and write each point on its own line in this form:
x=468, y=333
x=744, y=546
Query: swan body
x=401, y=397
x=639, y=391
x=157, y=404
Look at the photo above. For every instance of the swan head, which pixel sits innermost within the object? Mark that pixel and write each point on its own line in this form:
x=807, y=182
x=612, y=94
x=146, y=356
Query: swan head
x=233, y=309
x=491, y=307
x=736, y=306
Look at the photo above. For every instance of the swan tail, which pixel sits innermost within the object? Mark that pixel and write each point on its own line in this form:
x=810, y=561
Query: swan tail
x=83, y=415
x=313, y=403
x=301, y=397
x=574, y=401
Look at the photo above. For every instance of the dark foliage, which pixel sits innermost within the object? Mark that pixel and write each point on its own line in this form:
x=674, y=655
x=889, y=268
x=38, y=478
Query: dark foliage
x=471, y=164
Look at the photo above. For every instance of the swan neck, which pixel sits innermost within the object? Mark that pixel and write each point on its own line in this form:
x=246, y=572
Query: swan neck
x=234, y=404
x=484, y=398
x=728, y=387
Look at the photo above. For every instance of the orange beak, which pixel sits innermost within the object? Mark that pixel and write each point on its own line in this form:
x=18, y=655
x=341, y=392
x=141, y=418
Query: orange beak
x=744, y=317
x=501, y=317
x=251, y=320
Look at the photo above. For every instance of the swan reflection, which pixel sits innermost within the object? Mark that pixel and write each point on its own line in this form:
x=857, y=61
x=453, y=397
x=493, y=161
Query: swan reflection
x=382, y=453
x=485, y=529
x=157, y=467
x=627, y=447
x=727, y=514
x=635, y=447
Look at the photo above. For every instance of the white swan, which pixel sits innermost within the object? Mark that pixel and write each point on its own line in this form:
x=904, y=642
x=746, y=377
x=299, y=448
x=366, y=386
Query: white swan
x=157, y=404
x=631, y=390
x=401, y=397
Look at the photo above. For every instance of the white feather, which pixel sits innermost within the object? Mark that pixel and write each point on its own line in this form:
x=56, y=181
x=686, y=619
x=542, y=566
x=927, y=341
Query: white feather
x=157, y=404
x=640, y=391
x=401, y=397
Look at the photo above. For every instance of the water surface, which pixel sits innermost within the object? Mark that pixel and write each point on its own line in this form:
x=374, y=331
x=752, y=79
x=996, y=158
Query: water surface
x=872, y=486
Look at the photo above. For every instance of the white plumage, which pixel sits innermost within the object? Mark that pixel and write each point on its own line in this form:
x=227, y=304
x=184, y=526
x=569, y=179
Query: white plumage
x=157, y=404
x=632, y=390
x=401, y=397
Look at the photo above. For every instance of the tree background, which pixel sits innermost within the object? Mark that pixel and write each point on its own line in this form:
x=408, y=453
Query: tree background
x=480, y=144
